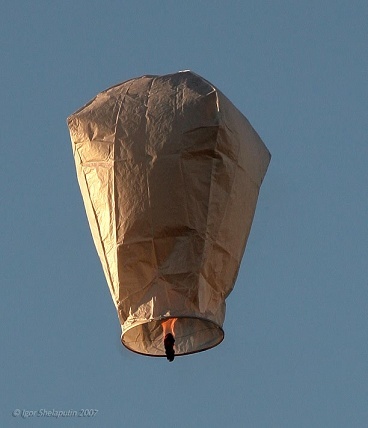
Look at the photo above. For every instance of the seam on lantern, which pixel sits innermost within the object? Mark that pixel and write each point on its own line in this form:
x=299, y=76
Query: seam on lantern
x=121, y=99
x=148, y=169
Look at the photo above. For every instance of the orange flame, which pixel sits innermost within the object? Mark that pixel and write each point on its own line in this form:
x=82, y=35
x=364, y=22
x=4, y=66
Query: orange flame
x=168, y=326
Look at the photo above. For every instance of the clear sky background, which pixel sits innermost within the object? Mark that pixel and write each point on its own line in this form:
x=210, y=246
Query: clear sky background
x=295, y=352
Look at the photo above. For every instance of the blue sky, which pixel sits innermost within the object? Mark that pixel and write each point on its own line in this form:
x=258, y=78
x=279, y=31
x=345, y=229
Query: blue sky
x=296, y=332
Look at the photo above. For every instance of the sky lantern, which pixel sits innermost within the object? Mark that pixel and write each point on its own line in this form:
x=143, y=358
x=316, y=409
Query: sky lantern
x=169, y=172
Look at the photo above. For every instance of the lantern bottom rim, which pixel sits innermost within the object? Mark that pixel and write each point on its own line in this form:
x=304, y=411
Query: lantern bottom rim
x=191, y=334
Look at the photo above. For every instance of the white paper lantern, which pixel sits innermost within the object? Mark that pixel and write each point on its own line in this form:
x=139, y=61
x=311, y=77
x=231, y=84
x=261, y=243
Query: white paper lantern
x=170, y=173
